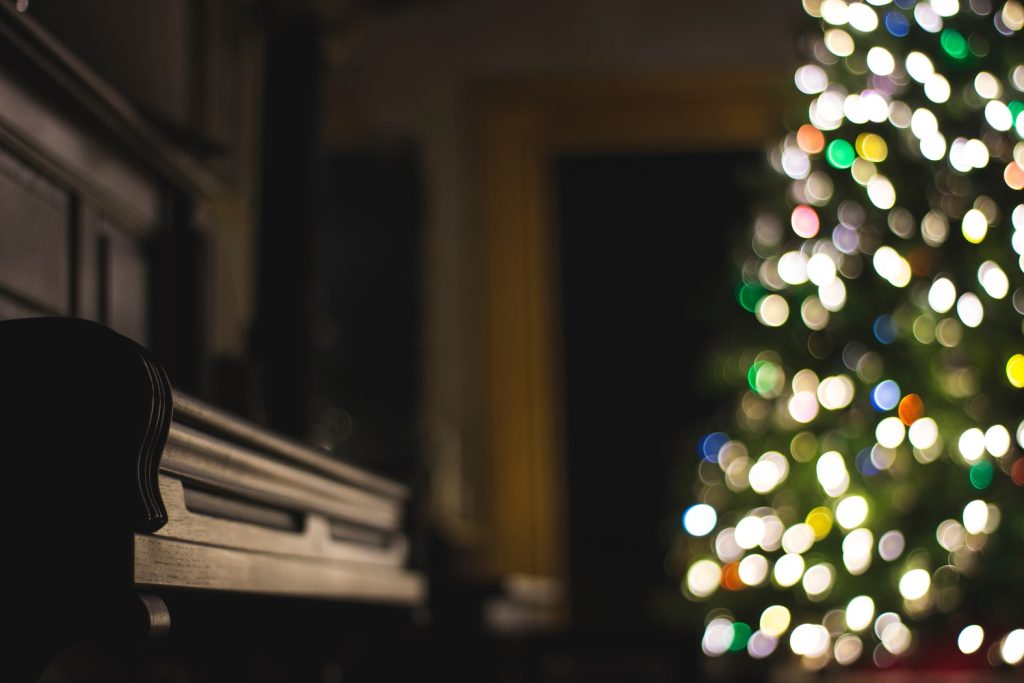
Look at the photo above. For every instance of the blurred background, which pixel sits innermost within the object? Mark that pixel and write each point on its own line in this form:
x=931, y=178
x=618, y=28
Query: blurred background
x=481, y=246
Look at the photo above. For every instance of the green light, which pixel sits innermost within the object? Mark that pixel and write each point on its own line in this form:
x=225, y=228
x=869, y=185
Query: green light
x=763, y=376
x=1015, y=107
x=840, y=154
x=748, y=295
x=752, y=374
x=740, y=635
x=954, y=44
x=981, y=474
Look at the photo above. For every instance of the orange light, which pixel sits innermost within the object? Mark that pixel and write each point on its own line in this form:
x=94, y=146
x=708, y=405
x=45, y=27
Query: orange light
x=1014, y=176
x=810, y=139
x=731, y=580
x=911, y=409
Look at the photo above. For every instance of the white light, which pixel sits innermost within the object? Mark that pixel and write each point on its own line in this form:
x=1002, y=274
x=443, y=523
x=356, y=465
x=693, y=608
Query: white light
x=717, y=637
x=937, y=89
x=788, y=569
x=833, y=295
x=810, y=79
x=884, y=620
x=725, y=545
x=703, y=577
x=993, y=280
x=832, y=474
x=793, y=268
x=950, y=534
x=826, y=112
x=803, y=406
x=862, y=17
x=848, y=649
x=923, y=433
x=945, y=8
x=753, y=569
x=821, y=269
x=772, y=310
x=976, y=153
x=974, y=226
x=942, y=295
x=933, y=147
x=881, y=192
x=970, y=639
x=891, y=545
x=775, y=620
x=880, y=61
x=997, y=440
x=768, y=472
x=818, y=580
x=760, y=645
x=927, y=18
x=859, y=613
x=839, y=42
x=998, y=115
x=857, y=551
x=810, y=640
x=896, y=637
x=834, y=12
x=798, y=538
x=900, y=114
x=700, y=519
x=1012, y=647
x=987, y=85
x=915, y=584
x=795, y=163
x=970, y=310
x=890, y=432
x=975, y=516
x=972, y=444
x=877, y=106
x=749, y=532
x=934, y=229
x=851, y=512
x=855, y=109
x=920, y=67
x=957, y=156
x=773, y=529
x=835, y=393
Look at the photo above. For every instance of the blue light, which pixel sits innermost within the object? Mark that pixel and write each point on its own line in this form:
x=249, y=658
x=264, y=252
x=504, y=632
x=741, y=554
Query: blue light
x=885, y=396
x=885, y=329
x=905, y=4
x=864, y=464
x=709, y=445
x=897, y=24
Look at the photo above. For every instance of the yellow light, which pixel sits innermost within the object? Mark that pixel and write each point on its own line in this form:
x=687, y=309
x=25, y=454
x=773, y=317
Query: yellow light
x=871, y=147
x=1015, y=370
x=820, y=521
x=775, y=620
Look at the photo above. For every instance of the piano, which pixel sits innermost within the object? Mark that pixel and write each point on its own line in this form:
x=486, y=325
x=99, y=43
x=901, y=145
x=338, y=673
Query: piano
x=120, y=490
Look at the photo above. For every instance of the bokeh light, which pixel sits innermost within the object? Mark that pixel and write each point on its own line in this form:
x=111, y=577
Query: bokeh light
x=700, y=519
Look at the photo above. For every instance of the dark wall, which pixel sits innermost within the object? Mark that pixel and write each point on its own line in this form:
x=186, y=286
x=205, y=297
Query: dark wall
x=646, y=291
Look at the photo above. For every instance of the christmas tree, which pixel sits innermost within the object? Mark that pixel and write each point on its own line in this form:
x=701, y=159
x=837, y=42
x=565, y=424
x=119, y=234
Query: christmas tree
x=862, y=503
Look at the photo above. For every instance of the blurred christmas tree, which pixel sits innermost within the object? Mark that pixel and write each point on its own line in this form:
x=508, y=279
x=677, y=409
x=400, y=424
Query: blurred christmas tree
x=867, y=505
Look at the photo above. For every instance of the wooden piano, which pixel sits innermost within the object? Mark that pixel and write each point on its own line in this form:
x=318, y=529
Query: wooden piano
x=120, y=489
